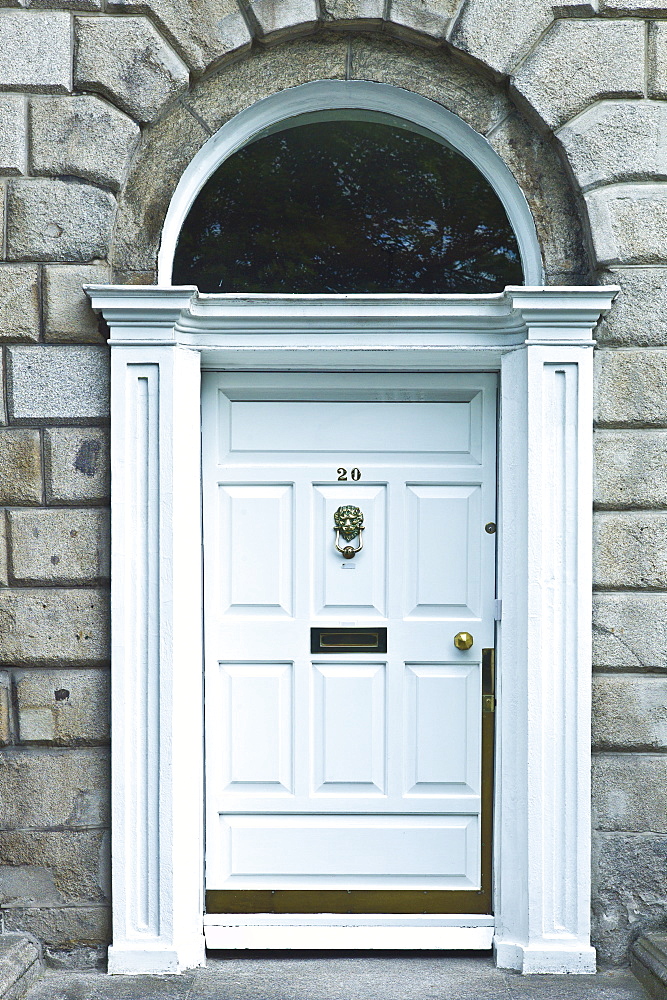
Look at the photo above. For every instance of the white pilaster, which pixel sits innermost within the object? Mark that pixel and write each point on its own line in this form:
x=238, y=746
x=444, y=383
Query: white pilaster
x=157, y=764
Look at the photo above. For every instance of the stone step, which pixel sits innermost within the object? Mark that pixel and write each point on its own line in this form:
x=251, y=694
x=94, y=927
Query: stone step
x=648, y=961
x=20, y=965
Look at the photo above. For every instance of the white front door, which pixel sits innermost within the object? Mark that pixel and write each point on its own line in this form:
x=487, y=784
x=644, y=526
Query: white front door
x=345, y=732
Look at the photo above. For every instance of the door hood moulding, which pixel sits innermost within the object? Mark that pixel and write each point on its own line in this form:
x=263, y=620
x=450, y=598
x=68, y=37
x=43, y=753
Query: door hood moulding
x=271, y=328
x=541, y=341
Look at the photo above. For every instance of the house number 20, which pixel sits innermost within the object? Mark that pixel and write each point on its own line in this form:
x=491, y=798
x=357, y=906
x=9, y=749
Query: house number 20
x=355, y=474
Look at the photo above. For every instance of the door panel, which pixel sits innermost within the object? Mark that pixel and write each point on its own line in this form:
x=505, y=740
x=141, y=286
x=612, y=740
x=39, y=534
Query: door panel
x=354, y=779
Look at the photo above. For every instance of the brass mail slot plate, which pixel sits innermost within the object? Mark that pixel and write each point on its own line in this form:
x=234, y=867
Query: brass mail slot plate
x=348, y=640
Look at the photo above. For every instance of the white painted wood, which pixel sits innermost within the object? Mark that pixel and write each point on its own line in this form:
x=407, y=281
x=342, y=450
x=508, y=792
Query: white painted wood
x=355, y=937
x=522, y=331
x=326, y=100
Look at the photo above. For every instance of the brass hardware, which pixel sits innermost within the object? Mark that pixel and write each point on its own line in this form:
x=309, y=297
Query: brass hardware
x=349, y=522
x=463, y=640
x=490, y=528
x=348, y=640
x=488, y=680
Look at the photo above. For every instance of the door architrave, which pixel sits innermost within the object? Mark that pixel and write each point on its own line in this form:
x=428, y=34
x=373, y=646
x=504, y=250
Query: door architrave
x=540, y=341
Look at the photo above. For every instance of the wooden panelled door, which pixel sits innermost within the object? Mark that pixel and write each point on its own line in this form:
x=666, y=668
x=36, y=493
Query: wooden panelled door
x=349, y=742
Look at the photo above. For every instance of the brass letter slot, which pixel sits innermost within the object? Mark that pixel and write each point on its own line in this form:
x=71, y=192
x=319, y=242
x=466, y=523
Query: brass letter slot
x=348, y=640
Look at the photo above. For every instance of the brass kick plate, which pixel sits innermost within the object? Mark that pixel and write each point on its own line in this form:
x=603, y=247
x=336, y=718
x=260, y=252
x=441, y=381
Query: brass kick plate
x=348, y=640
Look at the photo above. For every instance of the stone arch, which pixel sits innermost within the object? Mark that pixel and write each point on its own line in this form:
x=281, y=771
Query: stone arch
x=168, y=146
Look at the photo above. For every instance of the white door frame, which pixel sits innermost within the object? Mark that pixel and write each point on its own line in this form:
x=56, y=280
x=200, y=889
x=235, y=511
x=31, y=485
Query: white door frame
x=539, y=339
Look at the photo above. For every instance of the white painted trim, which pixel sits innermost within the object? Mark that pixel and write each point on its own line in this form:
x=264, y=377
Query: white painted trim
x=540, y=339
x=356, y=98
x=324, y=931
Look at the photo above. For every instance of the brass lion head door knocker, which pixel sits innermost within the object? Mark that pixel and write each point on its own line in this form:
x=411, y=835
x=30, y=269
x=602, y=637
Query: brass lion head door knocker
x=349, y=522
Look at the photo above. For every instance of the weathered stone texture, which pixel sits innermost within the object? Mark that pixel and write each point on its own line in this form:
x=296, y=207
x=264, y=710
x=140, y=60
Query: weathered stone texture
x=35, y=51
x=201, y=31
x=54, y=626
x=617, y=141
x=629, y=631
x=4, y=561
x=58, y=383
x=282, y=16
x=580, y=61
x=629, y=889
x=630, y=792
x=630, y=550
x=20, y=466
x=6, y=728
x=630, y=469
x=631, y=388
x=500, y=32
x=61, y=927
x=59, y=546
x=63, y=707
x=351, y=11
x=65, y=789
x=638, y=317
x=12, y=133
x=77, y=464
x=629, y=711
x=68, y=316
x=80, y=136
x=629, y=223
x=540, y=175
x=657, y=76
x=126, y=59
x=432, y=19
x=57, y=220
x=72, y=856
x=19, y=302
x=433, y=74
x=166, y=150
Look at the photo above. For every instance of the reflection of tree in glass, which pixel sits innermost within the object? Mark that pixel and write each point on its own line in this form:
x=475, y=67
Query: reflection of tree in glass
x=347, y=207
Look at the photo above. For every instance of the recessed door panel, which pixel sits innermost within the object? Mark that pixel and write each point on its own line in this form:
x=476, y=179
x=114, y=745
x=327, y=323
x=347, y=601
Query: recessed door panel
x=349, y=728
x=256, y=549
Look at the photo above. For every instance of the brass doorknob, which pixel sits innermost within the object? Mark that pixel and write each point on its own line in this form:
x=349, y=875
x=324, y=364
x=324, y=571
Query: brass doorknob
x=463, y=640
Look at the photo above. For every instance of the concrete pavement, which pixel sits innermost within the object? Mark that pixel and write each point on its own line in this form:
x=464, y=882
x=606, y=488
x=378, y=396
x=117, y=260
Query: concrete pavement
x=303, y=976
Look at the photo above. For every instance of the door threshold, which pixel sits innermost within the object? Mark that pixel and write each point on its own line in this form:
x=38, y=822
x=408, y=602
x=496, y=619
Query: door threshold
x=349, y=931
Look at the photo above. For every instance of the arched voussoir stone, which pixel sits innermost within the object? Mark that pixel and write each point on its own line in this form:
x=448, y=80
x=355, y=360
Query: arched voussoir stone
x=167, y=147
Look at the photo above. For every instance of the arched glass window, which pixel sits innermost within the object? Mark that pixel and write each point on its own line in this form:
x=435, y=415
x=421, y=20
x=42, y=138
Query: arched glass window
x=347, y=206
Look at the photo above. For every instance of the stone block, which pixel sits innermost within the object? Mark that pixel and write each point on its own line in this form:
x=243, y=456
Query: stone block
x=77, y=465
x=628, y=223
x=434, y=74
x=638, y=317
x=338, y=12
x=126, y=60
x=66, y=706
x=57, y=789
x=201, y=31
x=60, y=926
x=617, y=141
x=539, y=172
x=500, y=32
x=58, y=220
x=6, y=728
x=20, y=466
x=20, y=965
x=19, y=302
x=657, y=63
x=630, y=792
x=74, y=857
x=629, y=631
x=145, y=200
x=47, y=382
x=58, y=546
x=580, y=61
x=12, y=133
x=81, y=136
x=631, y=388
x=629, y=890
x=53, y=626
x=630, y=469
x=282, y=16
x=68, y=316
x=629, y=712
x=432, y=19
x=630, y=550
x=4, y=563
x=36, y=51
